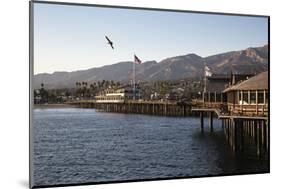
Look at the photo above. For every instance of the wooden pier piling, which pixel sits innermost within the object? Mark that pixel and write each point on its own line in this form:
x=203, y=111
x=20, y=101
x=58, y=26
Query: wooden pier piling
x=211, y=121
x=242, y=131
x=202, y=122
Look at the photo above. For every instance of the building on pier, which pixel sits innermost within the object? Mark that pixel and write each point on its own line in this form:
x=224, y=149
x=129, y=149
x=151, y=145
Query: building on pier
x=217, y=83
x=249, y=97
x=245, y=121
x=118, y=95
x=214, y=86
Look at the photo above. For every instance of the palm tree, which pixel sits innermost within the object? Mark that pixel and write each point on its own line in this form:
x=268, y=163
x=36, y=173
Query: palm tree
x=78, y=84
x=102, y=83
x=92, y=89
x=107, y=83
x=111, y=83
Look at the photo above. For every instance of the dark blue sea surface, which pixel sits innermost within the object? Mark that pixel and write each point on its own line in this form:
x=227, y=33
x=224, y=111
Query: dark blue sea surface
x=75, y=145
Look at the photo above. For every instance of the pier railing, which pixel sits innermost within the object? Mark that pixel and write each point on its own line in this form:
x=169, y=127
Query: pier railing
x=248, y=110
x=161, y=108
x=201, y=104
x=233, y=109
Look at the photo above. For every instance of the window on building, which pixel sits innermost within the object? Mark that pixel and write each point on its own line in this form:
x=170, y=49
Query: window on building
x=239, y=97
x=245, y=97
x=260, y=97
x=212, y=97
x=253, y=97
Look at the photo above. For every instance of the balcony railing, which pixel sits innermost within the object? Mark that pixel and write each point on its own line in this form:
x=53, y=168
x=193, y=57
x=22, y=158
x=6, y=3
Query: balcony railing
x=233, y=109
x=249, y=109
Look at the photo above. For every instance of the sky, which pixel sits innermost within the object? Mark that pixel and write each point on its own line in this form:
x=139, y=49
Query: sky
x=70, y=38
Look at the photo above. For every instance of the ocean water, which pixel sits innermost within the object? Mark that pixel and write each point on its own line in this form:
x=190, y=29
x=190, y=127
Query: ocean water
x=75, y=145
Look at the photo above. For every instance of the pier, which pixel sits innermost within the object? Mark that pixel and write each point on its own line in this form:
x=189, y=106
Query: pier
x=158, y=108
x=238, y=129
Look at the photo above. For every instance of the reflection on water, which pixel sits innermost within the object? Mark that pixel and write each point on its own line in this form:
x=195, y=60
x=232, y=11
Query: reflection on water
x=73, y=145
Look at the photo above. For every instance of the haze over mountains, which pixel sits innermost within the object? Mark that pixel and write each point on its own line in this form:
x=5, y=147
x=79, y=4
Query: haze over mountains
x=250, y=61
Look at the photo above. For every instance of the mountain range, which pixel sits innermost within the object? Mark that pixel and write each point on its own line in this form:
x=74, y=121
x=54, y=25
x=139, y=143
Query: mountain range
x=248, y=61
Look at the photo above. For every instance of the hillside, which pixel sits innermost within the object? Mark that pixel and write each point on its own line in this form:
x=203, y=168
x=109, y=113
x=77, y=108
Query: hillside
x=250, y=61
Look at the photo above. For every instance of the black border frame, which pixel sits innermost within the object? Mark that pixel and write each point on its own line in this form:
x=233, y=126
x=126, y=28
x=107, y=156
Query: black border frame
x=31, y=64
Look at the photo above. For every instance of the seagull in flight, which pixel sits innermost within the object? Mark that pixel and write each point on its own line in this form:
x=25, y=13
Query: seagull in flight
x=109, y=42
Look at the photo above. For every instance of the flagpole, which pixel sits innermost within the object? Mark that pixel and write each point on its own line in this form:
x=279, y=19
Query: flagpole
x=134, y=79
x=205, y=82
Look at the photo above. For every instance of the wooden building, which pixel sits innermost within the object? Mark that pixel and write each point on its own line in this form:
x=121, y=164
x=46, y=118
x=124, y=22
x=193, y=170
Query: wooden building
x=249, y=97
x=216, y=84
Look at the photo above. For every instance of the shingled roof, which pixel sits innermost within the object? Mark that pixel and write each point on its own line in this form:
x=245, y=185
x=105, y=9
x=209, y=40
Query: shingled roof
x=258, y=82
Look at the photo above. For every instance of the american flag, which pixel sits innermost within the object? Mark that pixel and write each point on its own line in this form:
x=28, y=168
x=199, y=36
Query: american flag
x=137, y=60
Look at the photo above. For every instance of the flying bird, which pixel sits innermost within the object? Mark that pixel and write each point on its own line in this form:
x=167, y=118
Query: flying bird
x=109, y=42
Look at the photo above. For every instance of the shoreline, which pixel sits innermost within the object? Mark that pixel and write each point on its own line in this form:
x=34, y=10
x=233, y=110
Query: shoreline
x=41, y=106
